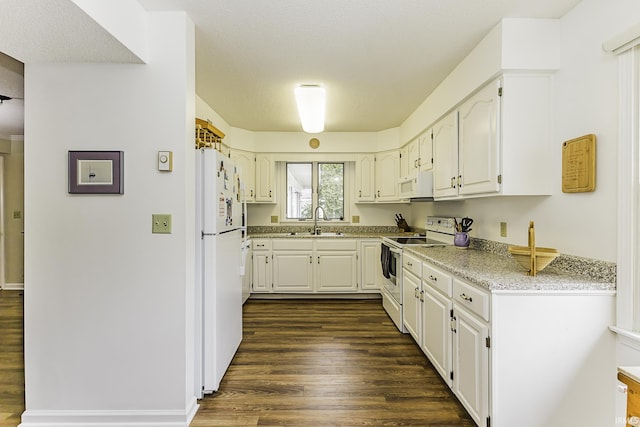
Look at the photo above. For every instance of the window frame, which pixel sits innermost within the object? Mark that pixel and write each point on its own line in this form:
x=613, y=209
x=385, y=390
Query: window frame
x=346, y=188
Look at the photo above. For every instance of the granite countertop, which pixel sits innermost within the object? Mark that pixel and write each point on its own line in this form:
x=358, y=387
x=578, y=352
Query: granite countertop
x=497, y=272
x=326, y=235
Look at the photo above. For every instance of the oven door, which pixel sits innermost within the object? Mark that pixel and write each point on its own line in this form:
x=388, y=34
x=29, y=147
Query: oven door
x=393, y=284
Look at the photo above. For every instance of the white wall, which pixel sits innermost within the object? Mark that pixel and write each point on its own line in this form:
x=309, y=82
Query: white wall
x=108, y=305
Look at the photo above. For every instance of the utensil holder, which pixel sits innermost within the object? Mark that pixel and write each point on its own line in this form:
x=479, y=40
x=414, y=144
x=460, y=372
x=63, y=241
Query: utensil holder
x=461, y=239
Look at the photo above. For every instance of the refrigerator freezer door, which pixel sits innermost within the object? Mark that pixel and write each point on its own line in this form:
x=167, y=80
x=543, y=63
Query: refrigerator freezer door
x=220, y=178
x=222, y=305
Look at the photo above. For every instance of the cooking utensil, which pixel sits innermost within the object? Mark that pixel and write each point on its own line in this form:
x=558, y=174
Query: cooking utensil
x=465, y=224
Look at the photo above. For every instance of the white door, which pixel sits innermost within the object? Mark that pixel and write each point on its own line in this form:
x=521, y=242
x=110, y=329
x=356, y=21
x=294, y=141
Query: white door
x=371, y=267
x=445, y=156
x=262, y=272
x=265, y=178
x=479, y=142
x=436, y=331
x=412, y=306
x=425, y=148
x=471, y=364
x=292, y=271
x=337, y=272
x=387, y=175
x=365, y=178
x=246, y=161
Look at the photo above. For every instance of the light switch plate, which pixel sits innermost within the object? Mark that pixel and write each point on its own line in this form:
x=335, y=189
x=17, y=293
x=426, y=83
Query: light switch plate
x=503, y=229
x=161, y=224
x=274, y=219
x=355, y=219
x=165, y=161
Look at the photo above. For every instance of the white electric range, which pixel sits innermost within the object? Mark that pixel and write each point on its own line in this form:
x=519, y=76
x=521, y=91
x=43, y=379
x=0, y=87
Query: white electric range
x=439, y=231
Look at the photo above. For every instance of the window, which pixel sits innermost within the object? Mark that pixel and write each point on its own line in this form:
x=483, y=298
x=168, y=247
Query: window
x=327, y=179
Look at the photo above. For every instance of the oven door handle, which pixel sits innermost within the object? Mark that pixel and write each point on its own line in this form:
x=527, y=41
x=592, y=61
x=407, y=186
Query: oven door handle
x=395, y=250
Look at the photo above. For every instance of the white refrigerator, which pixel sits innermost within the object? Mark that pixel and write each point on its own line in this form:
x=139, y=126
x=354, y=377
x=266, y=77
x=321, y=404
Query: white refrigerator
x=218, y=293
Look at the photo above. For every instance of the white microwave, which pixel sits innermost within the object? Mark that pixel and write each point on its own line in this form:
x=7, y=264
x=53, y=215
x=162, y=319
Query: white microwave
x=417, y=187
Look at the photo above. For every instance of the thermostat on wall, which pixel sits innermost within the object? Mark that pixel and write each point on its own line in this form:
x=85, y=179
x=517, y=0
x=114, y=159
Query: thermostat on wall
x=165, y=161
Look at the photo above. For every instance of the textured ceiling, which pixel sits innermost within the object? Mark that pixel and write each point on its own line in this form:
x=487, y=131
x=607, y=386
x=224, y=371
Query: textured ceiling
x=378, y=59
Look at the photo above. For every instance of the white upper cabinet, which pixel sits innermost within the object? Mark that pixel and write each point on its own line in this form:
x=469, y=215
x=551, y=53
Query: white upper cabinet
x=387, y=176
x=265, y=178
x=366, y=178
x=246, y=160
x=425, y=151
x=445, y=156
x=497, y=141
x=478, y=142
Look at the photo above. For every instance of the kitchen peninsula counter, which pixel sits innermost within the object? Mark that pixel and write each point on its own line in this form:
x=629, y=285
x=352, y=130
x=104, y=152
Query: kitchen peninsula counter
x=499, y=272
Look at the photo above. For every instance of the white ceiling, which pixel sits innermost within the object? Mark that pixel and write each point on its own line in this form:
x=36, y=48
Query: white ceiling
x=378, y=59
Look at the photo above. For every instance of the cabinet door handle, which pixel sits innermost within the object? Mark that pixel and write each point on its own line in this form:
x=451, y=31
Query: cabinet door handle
x=269, y=193
x=378, y=193
x=310, y=259
x=432, y=277
x=465, y=297
x=260, y=246
x=318, y=260
x=409, y=264
x=251, y=192
x=359, y=193
x=452, y=324
x=422, y=296
x=453, y=182
x=459, y=181
x=266, y=260
x=415, y=293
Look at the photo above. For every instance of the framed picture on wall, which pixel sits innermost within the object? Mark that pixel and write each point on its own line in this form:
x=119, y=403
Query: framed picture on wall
x=96, y=172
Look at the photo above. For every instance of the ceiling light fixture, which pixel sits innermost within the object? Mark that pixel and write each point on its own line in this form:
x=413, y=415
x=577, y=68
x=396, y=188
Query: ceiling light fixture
x=311, y=101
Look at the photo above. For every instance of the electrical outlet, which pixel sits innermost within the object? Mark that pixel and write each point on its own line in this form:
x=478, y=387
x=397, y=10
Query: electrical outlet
x=274, y=219
x=503, y=229
x=161, y=223
x=355, y=219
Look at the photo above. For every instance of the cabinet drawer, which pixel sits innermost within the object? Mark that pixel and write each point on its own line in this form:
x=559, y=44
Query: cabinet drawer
x=336, y=245
x=292, y=244
x=437, y=279
x=261, y=244
x=474, y=299
x=412, y=264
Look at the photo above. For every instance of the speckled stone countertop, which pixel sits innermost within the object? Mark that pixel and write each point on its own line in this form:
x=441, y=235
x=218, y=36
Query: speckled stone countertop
x=497, y=272
x=486, y=263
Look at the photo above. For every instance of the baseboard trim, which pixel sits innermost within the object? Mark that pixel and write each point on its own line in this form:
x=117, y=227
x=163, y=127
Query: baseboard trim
x=13, y=287
x=131, y=418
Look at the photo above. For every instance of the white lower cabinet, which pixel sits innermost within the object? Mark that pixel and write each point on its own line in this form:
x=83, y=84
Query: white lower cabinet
x=454, y=335
x=337, y=272
x=436, y=326
x=412, y=296
x=262, y=274
x=471, y=363
x=371, y=277
x=308, y=265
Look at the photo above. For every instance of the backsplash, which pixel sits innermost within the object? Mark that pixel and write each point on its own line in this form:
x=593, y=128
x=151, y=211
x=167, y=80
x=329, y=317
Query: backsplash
x=596, y=269
x=357, y=229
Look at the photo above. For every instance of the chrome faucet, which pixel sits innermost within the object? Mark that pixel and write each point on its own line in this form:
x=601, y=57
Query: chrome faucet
x=316, y=229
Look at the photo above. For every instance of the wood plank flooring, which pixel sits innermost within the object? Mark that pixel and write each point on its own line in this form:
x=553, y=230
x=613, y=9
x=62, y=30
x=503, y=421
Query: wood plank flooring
x=11, y=358
x=328, y=363
x=301, y=363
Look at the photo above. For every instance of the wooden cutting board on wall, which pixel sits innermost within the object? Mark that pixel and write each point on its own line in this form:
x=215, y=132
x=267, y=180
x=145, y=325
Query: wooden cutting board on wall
x=579, y=164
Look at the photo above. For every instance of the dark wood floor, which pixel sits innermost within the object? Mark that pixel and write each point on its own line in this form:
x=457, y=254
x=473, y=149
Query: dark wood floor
x=328, y=363
x=301, y=363
x=11, y=358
